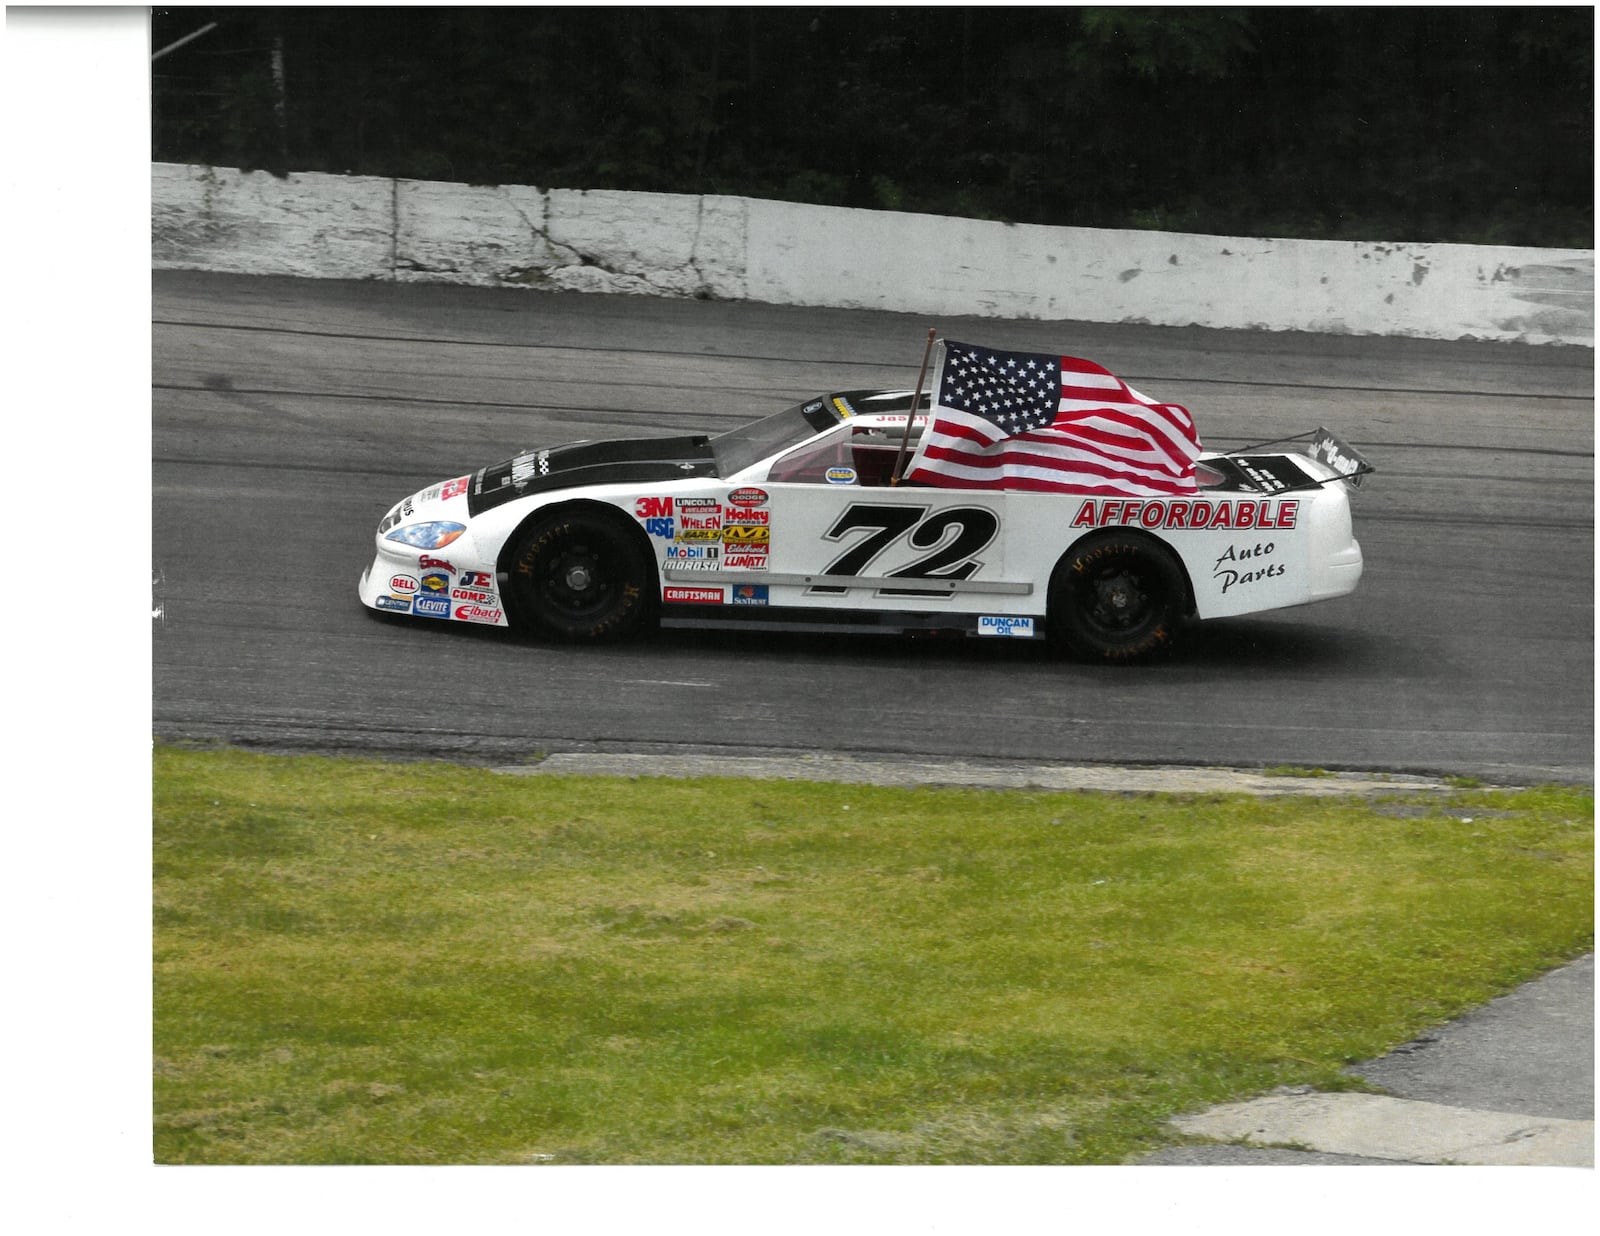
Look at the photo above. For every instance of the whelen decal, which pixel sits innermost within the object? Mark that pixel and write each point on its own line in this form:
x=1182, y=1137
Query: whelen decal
x=1191, y=514
x=692, y=596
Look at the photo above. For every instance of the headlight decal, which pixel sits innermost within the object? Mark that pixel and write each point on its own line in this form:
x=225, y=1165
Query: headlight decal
x=434, y=534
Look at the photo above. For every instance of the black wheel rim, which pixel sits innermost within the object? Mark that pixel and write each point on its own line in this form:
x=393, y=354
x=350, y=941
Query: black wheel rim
x=1117, y=600
x=576, y=582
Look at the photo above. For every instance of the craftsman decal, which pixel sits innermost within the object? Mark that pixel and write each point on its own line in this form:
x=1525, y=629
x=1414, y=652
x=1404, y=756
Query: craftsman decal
x=692, y=596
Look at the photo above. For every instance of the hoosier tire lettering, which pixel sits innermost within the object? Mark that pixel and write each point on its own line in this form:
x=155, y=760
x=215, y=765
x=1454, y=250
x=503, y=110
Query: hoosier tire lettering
x=1117, y=597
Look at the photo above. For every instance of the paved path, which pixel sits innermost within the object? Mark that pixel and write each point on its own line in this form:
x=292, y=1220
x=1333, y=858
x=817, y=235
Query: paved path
x=1511, y=1083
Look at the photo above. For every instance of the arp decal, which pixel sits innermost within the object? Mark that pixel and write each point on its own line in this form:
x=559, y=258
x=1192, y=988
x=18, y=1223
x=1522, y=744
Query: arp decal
x=1000, y=624
x=748, y=594
x=1191, y=514
x=692, y=596
x=1247, y=565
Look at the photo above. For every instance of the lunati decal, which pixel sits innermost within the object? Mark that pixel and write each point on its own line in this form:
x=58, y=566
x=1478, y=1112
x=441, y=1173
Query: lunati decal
x=1191, y=514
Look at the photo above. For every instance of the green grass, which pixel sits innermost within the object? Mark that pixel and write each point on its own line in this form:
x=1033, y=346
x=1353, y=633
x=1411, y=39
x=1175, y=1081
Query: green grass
x=359, y=962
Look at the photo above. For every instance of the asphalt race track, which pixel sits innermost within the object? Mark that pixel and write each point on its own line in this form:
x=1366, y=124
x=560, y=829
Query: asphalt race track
x=289, y=415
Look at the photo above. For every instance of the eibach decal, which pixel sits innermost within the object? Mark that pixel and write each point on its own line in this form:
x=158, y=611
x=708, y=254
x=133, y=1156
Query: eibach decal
x=1191, y=514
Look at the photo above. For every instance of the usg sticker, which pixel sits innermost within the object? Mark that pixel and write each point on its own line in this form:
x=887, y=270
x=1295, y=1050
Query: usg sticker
x=992, y=624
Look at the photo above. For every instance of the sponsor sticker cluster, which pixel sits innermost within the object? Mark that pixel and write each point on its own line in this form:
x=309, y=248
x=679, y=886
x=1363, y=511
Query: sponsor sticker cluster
x=440, y=590
x=706, y=534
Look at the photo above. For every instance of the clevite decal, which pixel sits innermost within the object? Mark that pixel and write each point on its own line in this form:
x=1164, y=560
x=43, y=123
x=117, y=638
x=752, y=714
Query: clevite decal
x=1189, y=514
x=432, y=606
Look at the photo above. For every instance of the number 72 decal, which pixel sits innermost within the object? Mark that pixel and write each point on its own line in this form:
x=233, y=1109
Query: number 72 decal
x=954, y=552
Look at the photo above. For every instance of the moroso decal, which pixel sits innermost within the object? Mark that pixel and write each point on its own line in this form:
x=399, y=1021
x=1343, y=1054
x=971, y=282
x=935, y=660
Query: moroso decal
x=748, y=497
x=692, y=596
x=1193, y=515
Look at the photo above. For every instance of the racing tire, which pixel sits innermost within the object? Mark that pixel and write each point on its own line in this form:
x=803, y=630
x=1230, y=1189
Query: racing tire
x=580, y=577
x=1117, y=597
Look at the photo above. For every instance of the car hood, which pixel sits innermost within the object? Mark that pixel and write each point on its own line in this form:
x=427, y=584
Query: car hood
x=625, y=460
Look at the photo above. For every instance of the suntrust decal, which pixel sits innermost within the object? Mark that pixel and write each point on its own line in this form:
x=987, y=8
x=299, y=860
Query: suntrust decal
x=1192, y=514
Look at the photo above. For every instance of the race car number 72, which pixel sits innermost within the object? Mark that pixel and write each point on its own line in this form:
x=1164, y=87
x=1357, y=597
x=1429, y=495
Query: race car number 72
x=953, y=556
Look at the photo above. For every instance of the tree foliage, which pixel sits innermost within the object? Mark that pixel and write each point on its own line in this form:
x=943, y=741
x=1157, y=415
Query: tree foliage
x=1417, y=124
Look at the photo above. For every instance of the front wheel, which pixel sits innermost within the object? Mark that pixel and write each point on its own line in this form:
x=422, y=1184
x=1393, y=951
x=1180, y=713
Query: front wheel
x=580, y=577
x=1117, y=598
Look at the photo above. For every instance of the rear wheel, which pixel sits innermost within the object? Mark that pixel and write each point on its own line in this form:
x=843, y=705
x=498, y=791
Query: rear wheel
x=580, y=577
x=1117, y=597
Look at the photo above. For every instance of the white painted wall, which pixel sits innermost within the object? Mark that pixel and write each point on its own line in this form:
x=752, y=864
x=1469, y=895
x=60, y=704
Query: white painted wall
x=729, y=248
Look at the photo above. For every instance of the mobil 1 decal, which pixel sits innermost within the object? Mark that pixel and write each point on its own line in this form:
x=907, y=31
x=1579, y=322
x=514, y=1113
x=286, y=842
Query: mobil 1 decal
x=949, y=541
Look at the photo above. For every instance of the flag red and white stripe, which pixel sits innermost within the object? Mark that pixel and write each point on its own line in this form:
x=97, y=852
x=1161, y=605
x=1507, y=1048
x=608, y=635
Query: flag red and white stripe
x=996, y=424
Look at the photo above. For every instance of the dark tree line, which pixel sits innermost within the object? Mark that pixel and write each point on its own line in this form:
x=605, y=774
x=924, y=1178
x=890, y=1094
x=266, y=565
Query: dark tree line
x=1469, y=124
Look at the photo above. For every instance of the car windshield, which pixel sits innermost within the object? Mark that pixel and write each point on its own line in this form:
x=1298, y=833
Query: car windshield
x=737, y=449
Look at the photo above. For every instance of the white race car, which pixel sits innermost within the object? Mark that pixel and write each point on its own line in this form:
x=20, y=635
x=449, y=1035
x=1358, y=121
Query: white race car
x=833, y=516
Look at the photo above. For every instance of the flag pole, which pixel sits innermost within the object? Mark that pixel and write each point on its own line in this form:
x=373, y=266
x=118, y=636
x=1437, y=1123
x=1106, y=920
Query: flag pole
x=911, y=415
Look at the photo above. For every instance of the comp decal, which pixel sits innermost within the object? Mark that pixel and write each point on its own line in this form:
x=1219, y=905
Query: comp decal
x=1190, y=514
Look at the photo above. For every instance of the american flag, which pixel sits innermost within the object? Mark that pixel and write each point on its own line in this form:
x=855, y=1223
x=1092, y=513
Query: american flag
x=1024, y=420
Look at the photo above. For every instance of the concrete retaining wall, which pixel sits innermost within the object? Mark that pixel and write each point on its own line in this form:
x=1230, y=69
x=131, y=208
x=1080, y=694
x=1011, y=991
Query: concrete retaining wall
x=730, y=248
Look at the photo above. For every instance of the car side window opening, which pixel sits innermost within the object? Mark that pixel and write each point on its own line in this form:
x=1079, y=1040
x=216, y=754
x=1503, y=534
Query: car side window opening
x=862, y=455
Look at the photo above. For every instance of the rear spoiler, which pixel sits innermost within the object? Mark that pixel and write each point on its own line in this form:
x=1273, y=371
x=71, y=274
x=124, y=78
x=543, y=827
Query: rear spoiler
x=1327, y=448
